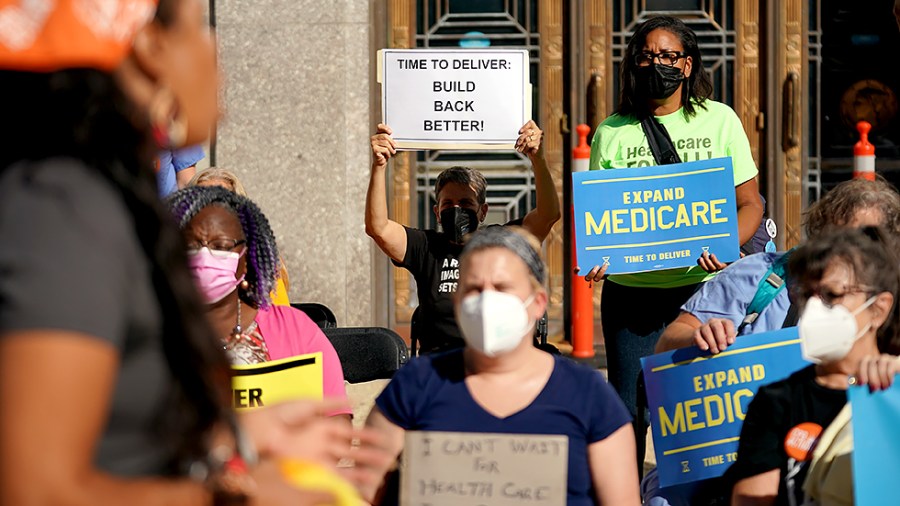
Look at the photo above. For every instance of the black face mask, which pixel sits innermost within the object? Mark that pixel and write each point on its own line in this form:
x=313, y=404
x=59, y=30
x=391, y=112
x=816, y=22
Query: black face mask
x=457, y=222
x=658, y=81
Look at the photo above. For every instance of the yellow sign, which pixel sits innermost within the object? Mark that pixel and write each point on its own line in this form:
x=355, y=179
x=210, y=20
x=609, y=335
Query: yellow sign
x=277, y=381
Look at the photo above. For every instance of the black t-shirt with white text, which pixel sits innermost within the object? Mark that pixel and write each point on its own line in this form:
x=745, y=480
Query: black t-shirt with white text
x=434, y=263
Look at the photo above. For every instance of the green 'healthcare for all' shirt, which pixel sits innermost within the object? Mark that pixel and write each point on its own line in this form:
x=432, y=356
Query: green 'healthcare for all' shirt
x=713, y=132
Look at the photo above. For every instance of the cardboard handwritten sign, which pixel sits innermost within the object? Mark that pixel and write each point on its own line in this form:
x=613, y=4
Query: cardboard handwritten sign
x=454, y=98
x=698, y=401
x=268, y=383
x=453, y=468
x=654, y=218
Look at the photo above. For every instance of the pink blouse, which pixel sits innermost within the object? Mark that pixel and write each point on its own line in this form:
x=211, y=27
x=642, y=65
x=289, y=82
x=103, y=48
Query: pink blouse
x=289, y=332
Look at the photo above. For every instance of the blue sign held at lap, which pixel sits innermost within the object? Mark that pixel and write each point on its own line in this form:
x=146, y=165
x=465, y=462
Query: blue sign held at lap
x=698, y=401
x=876, y=444
x=654, y=218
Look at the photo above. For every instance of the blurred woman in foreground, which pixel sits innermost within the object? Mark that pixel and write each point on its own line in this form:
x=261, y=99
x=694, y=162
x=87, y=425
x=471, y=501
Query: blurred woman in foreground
x=115, y=390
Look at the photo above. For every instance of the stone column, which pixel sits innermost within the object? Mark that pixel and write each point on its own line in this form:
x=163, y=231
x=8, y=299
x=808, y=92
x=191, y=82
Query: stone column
x=297, y=84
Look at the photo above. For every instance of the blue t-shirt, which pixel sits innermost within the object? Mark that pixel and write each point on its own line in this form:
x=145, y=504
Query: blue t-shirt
x=171, y=162
x=728, y=295
x=429, y=393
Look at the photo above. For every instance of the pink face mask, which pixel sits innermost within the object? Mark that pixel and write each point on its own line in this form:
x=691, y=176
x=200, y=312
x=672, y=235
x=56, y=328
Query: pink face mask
x=214, y=273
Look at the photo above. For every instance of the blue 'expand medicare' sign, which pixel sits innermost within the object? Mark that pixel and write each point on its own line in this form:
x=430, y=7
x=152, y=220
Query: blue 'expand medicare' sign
x=698, y=401
x=876, y=444
x=653, y=218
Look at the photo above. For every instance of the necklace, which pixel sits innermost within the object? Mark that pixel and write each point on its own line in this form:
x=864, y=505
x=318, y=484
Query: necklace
x=246, y=346
x=236, y=332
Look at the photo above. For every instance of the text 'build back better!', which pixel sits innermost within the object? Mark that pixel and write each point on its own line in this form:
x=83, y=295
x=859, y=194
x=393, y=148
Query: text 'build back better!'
x=455, y=98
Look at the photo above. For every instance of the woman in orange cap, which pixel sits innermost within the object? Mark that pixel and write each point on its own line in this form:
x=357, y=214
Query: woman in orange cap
x=113, y=387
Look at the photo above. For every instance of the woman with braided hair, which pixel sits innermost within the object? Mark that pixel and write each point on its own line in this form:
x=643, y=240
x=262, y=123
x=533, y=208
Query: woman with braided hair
x=234, y=260
x=218, y=176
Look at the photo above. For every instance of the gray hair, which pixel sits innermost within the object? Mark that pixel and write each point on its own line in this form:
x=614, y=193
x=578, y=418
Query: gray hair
x=515, y=239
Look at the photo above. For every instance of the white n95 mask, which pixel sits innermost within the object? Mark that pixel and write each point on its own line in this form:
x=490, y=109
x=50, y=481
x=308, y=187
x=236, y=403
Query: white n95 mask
x=493, y=322
x=827, y=333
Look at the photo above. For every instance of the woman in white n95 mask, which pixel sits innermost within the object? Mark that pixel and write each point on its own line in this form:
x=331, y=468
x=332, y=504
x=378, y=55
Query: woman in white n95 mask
x=846, y=284
x=501, y=383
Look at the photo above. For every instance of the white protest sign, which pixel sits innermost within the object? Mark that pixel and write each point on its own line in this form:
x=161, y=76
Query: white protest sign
x=454, y=98
x=453, y=468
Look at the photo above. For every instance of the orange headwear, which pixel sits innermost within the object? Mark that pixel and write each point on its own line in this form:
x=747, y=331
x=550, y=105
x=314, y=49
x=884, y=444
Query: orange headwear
x=49, y=35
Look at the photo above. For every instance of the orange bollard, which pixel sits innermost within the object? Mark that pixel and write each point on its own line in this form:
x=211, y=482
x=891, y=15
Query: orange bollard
x=864, y=154
x=582, y=292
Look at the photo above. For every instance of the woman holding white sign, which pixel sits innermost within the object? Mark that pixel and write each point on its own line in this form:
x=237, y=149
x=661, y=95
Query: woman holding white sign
x=500, y=383
x=461, y=207
x=664, y=85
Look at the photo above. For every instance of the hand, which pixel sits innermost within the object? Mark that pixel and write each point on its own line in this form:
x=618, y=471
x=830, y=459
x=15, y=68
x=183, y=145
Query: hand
x=878, y=372
x=597, y=273
x=383, y=147
x=272, y=489
x=715, y=335
x=529, y=141
x=897, y=12
x=709, y=263
x=368, y=461
x=300, y=430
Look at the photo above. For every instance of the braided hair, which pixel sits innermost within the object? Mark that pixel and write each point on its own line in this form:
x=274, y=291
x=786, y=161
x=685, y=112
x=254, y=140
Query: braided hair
x=262, y=251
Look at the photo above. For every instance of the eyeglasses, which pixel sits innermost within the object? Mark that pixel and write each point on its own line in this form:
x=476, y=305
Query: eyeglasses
x=218, y=247
x=667, y=58
x=828, y=296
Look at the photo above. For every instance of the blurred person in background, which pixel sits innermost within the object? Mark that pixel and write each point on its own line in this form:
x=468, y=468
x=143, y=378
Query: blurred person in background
x=714, y=316
x=176, y=167
x=218, y=176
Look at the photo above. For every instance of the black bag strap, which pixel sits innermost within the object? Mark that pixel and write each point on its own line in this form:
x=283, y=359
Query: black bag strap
x=660, y=143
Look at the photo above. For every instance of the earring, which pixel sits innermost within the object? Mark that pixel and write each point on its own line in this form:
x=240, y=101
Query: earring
x=245, y=285
x=168, y=125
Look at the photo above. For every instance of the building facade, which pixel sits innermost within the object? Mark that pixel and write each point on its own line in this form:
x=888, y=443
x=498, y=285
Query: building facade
x=302, y=100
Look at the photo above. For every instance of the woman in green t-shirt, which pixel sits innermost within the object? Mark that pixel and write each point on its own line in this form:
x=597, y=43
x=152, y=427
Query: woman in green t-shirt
x=663, y=77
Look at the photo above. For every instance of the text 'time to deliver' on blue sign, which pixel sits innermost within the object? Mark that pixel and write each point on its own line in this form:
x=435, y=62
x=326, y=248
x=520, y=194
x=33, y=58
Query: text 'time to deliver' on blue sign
x=698, y=401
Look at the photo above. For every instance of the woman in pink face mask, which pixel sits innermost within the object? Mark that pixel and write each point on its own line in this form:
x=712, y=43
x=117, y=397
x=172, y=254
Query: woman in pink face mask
x=234, y=260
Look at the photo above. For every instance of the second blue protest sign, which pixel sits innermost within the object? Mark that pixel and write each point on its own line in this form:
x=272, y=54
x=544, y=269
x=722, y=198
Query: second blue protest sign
x=654, y=218
x=876, y=444
x=698, y=401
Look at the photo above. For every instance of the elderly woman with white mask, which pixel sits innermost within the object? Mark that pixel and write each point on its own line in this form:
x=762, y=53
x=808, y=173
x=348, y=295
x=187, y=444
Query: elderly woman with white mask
x=846, y=284
x=500, y=383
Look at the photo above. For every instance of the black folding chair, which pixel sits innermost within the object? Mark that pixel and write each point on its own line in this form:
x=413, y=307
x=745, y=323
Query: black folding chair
x=368, y=353
x=318, y=313
x=414, y=331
